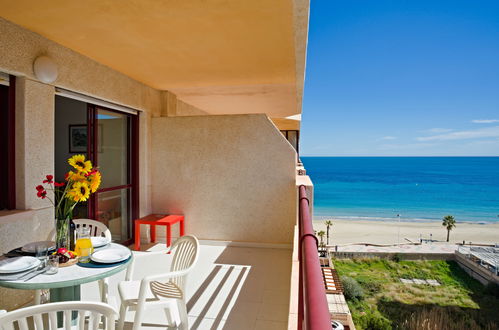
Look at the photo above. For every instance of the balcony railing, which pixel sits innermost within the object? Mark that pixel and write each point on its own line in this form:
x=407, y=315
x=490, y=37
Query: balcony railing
x=313, y=312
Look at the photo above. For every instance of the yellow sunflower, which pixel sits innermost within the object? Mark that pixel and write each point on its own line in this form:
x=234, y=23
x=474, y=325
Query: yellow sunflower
x=76, y=176
x=79, y=163
x=95, y=180
x=80, y=192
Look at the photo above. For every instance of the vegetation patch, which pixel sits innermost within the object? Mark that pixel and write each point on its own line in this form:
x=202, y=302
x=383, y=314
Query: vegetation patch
x=384, y=302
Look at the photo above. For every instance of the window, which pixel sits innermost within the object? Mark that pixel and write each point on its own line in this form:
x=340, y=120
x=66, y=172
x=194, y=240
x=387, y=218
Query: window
x=7, y=142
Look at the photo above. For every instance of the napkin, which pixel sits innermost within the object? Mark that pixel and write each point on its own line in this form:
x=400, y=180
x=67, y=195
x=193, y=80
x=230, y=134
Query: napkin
x=18, y=253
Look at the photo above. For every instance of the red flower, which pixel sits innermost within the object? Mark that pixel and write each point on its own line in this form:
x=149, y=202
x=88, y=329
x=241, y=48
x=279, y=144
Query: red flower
x=42, y=194
x=59, y=184
x=39, y=188
x=92, y=172
x=49, y=179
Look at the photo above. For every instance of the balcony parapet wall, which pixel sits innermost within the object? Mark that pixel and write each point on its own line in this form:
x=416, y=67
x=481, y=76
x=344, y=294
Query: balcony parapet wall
x=232, y=176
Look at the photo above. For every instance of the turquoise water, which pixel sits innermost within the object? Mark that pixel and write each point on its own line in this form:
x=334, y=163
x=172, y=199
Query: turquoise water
x=417, y=188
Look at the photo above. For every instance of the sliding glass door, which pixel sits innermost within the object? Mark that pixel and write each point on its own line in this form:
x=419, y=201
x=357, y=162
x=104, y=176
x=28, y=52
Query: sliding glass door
x=111, y=146
x=112, y=154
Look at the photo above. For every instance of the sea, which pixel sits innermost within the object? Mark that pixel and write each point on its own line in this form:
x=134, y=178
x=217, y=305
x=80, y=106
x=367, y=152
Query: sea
x=413, y=188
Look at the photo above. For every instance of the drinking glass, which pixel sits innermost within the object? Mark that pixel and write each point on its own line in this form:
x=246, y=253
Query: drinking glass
x=83, y=246
x=41, y=253
x=52, y=265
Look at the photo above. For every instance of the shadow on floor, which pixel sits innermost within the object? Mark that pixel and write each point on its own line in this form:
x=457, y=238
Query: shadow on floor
x=248, y=288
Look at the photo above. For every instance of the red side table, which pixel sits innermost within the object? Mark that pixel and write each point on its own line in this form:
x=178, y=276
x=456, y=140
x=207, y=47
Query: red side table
x=154, y=220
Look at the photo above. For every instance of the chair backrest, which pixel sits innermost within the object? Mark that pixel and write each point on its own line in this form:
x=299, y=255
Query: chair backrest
x=185, y=255
x=45, y=316
x=96, y=228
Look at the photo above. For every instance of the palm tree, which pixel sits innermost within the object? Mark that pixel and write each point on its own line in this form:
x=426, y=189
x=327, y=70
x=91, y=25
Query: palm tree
x=322, y=247
x=321, y=235
x=328, y=224
x=448, y=222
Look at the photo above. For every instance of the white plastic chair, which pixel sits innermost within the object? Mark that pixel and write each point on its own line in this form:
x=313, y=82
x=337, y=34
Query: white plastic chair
x=96, y=229
x=162, y=289
x=94, y=311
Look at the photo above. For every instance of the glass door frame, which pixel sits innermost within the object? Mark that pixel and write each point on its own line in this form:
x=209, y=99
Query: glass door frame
x=132, y=185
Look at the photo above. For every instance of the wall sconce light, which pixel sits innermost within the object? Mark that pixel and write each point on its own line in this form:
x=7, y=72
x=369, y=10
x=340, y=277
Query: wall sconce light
x=45, y=69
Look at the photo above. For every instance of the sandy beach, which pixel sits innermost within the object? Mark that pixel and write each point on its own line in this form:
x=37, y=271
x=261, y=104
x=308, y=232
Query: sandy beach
x=385, y=232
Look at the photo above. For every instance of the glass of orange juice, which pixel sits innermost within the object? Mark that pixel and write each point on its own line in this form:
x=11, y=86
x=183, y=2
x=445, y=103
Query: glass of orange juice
x=83, y=246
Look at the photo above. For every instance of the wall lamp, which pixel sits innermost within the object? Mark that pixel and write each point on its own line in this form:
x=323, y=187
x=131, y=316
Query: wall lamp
x=45, y=69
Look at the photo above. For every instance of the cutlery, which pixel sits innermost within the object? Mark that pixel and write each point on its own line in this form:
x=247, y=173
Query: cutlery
x=40, y=270
x=28, y=273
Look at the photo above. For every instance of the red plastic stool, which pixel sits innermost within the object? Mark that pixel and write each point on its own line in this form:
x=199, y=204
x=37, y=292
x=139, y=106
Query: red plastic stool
x=154, y=220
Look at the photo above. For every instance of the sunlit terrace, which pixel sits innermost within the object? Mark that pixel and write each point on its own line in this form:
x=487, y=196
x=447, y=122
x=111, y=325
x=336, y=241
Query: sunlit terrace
x=230, y=288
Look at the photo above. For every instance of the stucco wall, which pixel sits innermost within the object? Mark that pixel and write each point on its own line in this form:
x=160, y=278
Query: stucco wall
x=233, y=177
x=34, y=140
x=172, y=106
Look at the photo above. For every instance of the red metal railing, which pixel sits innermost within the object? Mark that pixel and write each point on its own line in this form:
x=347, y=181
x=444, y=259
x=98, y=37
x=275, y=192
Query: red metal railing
x=313, y=311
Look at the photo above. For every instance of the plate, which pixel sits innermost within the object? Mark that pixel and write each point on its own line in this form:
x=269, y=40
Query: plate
x=18, y=264
x=98, y=241
x=115, y=253
x=31, y=247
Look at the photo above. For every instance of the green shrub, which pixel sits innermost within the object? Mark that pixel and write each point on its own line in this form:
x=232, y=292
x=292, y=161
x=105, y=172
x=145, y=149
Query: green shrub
x=370, y=286
x=378, y=322
x=397, y=257
x=351, y=288
x=372, y=320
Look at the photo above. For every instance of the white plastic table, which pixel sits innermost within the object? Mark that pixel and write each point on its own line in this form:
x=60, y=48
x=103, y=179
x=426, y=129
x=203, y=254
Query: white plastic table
x=65, y=285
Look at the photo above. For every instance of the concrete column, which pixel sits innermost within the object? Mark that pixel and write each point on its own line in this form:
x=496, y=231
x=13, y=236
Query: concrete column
x=169, y=104
x=34, y=140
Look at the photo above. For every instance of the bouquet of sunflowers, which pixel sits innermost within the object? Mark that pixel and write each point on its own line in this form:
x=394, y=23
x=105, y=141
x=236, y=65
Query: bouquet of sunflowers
x=79, y=183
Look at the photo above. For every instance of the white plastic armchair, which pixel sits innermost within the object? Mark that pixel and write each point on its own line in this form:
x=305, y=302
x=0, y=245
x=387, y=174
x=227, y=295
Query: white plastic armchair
x=94, y=311
x=162, y=289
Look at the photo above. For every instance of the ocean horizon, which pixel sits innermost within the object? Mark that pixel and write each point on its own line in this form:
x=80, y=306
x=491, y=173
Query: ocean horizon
x=423, y=189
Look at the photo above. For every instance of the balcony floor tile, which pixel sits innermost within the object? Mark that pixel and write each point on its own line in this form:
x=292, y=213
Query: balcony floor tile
x=230, y=288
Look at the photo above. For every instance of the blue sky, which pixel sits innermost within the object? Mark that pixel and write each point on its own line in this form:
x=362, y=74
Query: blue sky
x=402, y=78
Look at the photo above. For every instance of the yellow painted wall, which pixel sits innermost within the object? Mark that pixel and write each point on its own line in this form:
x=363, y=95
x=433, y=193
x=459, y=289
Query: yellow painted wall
x=232, y=176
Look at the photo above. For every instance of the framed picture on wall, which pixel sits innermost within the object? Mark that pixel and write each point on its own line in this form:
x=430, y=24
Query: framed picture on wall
x=78, y=138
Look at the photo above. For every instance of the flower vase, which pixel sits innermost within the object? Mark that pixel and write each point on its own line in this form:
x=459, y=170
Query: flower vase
x=62, y=233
